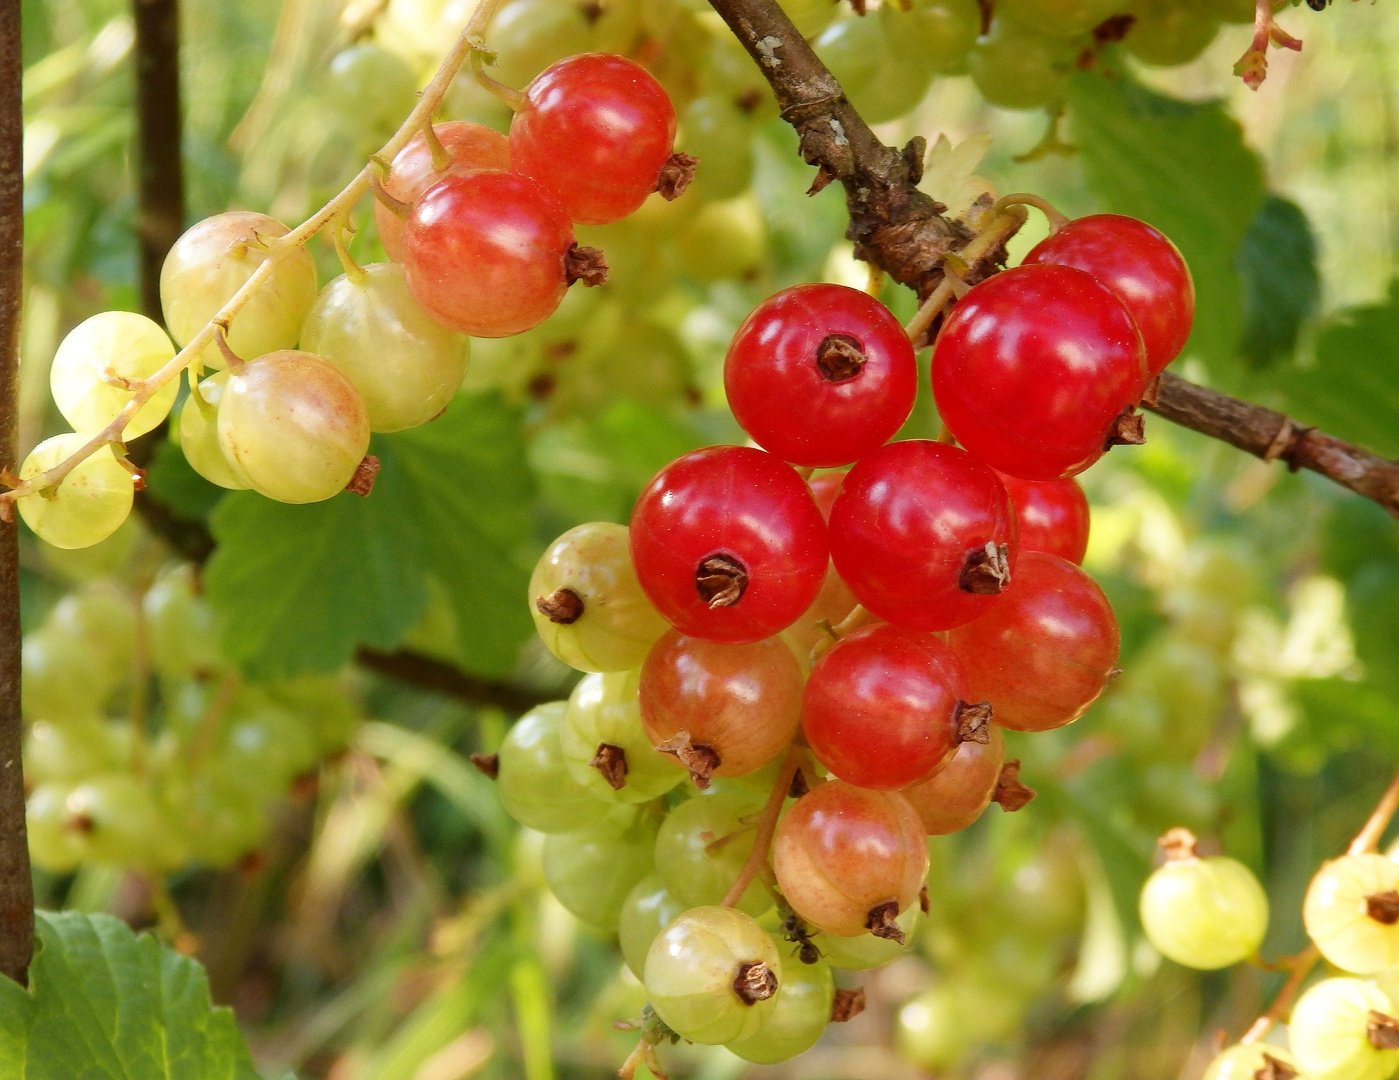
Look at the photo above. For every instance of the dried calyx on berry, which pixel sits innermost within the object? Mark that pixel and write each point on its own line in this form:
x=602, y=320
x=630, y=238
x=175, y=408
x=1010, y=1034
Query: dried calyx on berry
x=1010, y=792
x=973, y=722
x=611, y=761
x=1382, y=1031
x=487, y=764
x=721, y=580
x=1178, y=845
x=1383, y=907
x=840, y=357
x=754, y=982
x=882, y=923
x=699, y=759
x=986, y=570
x=562, y=606
x=847, y=1004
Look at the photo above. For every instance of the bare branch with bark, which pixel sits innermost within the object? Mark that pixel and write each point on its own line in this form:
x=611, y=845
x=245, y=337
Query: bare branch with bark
x=901, y=230
x=16, y=890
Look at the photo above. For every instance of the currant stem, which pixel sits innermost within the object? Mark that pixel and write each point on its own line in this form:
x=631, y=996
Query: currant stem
x=353, y=270
x=1367, y=840
x=277, y=252
x=767, y=825
x=1056, y=219
x=441, y=160
x=1000, y=228
x=1301, y=966
x=514, y=98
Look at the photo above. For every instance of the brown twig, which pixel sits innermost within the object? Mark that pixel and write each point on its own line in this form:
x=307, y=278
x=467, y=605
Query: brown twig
x=430, y=674
x=160, y=203
x=767, y=825
x=16, y=892
x=1272, y=435
x=898, y=228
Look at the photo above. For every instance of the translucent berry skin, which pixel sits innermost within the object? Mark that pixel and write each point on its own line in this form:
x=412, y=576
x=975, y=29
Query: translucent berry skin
x=1143, y=268
x=691, y=969
x=797, y=1022
x=906, y=520
x=595, y=130
x=1328, y=1031
x=535, y=785
x=1032, y=368
x=591, y=872
x=1246, y=1061
x=742, y=505
x=647, y=910
x=1336, y=913
x=702, y=846
x=841, y=851
x=484, y=252
x=1052, y=516
x=880, y=708
x=742, y=701
x=865, y=951
x=1204, y=913
x=830, y=414
x=954, y=796
x=618, y=625
x=1044, y=653
x=470, y=146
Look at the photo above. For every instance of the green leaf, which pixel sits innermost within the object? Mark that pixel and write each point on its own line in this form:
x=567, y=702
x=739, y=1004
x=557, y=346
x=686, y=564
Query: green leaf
x=1350, y=390
x=1183, y=168
x=105, y=1004
x=473, y=494
x=1282, y=286
x=593, y=469
x=301, y=586
x=172, y=481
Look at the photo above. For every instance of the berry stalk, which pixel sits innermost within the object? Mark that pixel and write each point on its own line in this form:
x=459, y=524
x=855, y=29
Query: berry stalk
x=767, y=825
x=470, y=40
x=901, y=230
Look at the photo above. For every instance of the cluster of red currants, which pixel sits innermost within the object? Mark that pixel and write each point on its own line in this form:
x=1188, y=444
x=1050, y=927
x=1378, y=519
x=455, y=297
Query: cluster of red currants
x=483, y=224
x=874, y=628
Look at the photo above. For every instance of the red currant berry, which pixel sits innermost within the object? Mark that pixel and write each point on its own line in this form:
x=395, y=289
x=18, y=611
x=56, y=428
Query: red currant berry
x=484, y=252
x=738, y=706
x=849, y=860
x=821, y=375
x=728, y=544
x=1141, y=266
x=835, y=601
x=595, y=130
x=954, y=796
x=884, y=707
x=1033, y=369
x=824, y=489
x=924, y=534
x=1052, y=515
x=1044, y=653
x=470, y=146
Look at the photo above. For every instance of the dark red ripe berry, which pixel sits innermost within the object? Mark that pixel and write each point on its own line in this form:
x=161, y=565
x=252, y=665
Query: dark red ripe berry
x=924, y=535
x=1033, y=368
x=820, y=375
x=1044, y=653
x=1052, y=516
x=484, y=252
x=595, y=130
x=882, y=706
x=1141, y=266
x=728, y=544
